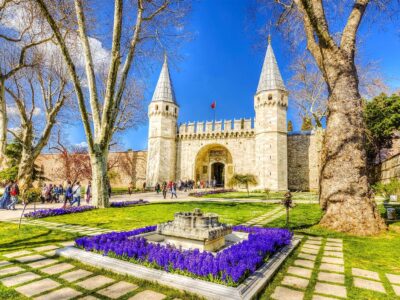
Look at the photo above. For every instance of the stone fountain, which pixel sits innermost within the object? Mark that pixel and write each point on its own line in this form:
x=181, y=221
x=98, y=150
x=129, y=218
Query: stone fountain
x=190, y=230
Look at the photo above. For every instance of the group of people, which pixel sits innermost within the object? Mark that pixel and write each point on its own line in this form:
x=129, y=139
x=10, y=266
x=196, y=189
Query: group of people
x=70, y=194
x=10, y=196
x=167, y=187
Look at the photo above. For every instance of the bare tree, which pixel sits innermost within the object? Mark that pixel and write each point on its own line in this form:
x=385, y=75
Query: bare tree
x=152, y=21
x=344, y=190
x=15, y=53
x=38, y=96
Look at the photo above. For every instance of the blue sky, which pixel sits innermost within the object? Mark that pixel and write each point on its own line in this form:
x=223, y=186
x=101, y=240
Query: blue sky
x=222, y=63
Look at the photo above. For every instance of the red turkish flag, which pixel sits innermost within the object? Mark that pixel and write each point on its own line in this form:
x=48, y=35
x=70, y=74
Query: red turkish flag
x=213, y=105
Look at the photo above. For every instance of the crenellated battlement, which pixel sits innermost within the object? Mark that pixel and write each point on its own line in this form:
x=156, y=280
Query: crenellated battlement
x=240, y=127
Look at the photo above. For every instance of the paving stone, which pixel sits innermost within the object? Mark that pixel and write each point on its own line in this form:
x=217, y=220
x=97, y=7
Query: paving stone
x=333, y=260
x=18, y=279
x=334, y=240
x=331, y=267
x=46, y=248
x=282, y=293
x=61, y=294
x=396, y=289
x=311, y=246
x=334, y=253
x=118, y=289
x=75, y=275
x=312, y=242
x=56, y=269
x=95, y=282
x=17, y=253
x=304, y=263
x=331, y=289
x=4, y=263
x=315, y=238
x=309, y=251
x=393, y=278
x=365, y=273
x=319, y=297
x=307, y=256
x=51, y=253
x=67, y=244
x=27, y=259
x=37, y=287
x=42, y=263
x=369, y=284
x=299, y=236
x=11, y=270
x=330, y=248
x=331, y=277
x=300, y=272
x=295, y=282
x=90, y=297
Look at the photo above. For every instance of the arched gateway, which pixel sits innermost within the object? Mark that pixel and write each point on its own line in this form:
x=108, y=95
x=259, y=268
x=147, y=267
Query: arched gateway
x=213, y=162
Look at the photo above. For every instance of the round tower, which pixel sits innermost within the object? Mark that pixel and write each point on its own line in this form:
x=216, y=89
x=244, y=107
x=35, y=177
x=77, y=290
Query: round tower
x=163, y=114
x=270, y=105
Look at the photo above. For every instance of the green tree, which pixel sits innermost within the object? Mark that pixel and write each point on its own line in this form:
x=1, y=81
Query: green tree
x=289, y=126
x=382, y=118
x=307, y=124
x=243, y=179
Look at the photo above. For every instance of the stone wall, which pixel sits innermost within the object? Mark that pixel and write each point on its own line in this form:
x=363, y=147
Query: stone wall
x=304, y=150
x=128, y=167
x=389, y=169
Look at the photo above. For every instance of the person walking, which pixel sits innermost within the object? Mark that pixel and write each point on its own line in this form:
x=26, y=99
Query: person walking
x=5, y=199
x=164, y=189
x=68, y=194
x=14, y=193
x=76, y=192
x=173, y=190
x=89, y=192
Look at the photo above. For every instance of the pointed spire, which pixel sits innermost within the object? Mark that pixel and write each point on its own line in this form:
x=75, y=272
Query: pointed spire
x=164, y=89
x=270, y=78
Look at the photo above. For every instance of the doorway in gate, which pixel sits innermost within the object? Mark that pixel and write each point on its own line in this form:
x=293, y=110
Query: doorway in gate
x=218, y=173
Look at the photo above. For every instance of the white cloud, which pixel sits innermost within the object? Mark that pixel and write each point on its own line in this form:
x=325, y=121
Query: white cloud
x=81, y=145
x=13, y=111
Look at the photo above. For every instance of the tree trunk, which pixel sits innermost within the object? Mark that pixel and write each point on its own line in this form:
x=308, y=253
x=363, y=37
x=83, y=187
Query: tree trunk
x=3, y=125
x=344, y=188
x=99, y=179
x=25, y=171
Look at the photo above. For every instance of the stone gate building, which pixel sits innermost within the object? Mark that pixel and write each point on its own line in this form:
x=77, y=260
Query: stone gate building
x=216, y=150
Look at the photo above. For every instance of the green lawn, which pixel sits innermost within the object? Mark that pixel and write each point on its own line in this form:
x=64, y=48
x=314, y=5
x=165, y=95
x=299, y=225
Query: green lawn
x=264, y=196
x=151, y=214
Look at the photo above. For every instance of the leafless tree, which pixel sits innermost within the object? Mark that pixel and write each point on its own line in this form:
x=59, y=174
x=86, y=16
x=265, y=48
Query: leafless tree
x=38, y=95
x=344, y=190
x=149, y=23
x=15, y=53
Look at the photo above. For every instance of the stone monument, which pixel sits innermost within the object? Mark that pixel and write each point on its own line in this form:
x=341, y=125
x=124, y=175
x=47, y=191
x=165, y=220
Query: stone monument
x=195, y=230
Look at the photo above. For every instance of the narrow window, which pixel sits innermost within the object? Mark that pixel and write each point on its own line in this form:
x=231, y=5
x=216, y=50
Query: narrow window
x=269, y=97
x=156, y=107
x=167, y=108
x=242, y=124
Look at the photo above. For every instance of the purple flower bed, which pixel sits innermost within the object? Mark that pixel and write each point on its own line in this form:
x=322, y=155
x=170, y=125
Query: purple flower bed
x=128, y=203
x=229, y=266
x=211, y=192
x=43, y=213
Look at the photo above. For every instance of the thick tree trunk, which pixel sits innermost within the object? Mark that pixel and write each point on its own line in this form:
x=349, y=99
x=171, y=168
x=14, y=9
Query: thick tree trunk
x=25, y=171
x=344, y=188
x=3, y=125
x=99, y=179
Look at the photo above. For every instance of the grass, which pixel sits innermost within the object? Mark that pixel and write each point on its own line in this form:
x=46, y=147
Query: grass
x=264, y=196
x=151, y=214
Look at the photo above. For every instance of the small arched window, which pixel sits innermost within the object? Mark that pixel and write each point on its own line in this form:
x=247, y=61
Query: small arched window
x=242, y=124
x=258, y=99
x=167, y=108
x=156, y=107
x=176, y=110
x=269, y=97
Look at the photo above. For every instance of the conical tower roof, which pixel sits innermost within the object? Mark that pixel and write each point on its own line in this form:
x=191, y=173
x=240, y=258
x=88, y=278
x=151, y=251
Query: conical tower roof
x=270, y=78
x=164, y=90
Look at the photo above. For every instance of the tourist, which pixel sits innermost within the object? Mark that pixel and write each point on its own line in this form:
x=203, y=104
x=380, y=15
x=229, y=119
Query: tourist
x=68, y=194
x=144, y=186
x=173, y=190
x=14, y=193
x=129, y=190
x=157, y=188
x=164, y=189
x=60, y=192
x=5, y=199
x=76, y=192
x=89, y=192
x=43, y=194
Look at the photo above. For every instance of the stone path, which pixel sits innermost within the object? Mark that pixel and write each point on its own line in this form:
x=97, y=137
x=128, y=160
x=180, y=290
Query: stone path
x=370, y=280
x=38, y=274
x=266, y=218
x=319, y=256
x=79, y=229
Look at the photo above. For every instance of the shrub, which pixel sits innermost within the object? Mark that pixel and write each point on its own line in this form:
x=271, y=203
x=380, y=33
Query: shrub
x=387, y=189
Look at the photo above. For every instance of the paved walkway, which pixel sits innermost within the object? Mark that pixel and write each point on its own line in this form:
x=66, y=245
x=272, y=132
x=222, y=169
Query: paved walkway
x=37, y=273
